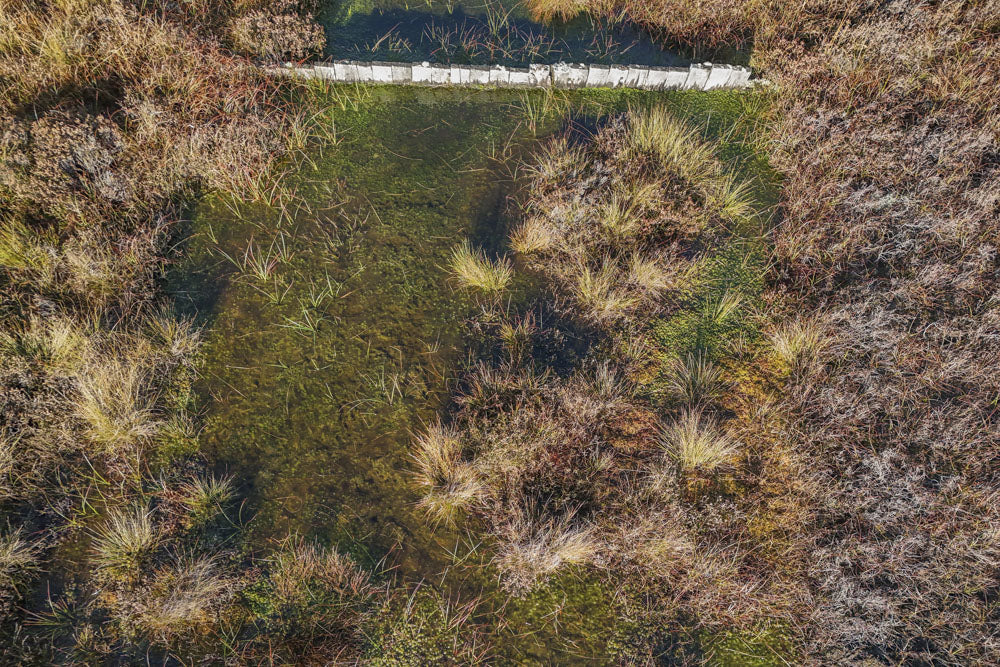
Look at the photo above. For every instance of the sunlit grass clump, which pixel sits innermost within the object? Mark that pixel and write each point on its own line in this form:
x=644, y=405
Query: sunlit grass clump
x=178, y=337
x=556, y=160
x=57, y=342
x=649, y=275
x=563, y=10
x=533, y=235
x=730, y=197
x=472, y=269
x=205, y=497
x=124, y=541
x=797, y=343
x=183, y=595
x=18, y=556
x=600, y=294
x=450, y=485
x=677, y=145
x=113, y=402
x=695, y=379
x=20, y=247
x=696, y=441
x=533, y=551
x=621, y=213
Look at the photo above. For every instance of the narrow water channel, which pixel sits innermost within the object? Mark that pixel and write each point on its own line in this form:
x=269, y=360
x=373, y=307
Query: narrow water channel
x=484, y=32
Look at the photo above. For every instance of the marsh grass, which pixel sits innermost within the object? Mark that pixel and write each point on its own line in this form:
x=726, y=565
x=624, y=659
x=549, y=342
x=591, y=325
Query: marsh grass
x=533, y=551
x=450, y=485
x=557, y=158
x=57, y=343
x=721, y=309
x=473, y=270
x=622, y=213
x=563, y=10
x=113, y=400
x=797, y=343
x=516, y=336
x=18, y=559
x=24, y=249
x=533, y=235
x=206, y=497
x=314, y=597
x=695, y=379
x=182, y=595
x=732, y=198
x=696, y=441
x=677, y=146
x=537, y=106
x=124, y=542
x=600, y=294
x=650, y=275
x=178, y=337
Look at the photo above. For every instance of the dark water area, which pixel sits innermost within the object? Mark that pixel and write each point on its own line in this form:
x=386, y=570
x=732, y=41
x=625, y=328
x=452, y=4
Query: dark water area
x=479, y=32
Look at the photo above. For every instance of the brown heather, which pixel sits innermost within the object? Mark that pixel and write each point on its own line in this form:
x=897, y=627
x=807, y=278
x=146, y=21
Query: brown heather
x=675, y=490
x=887, y=132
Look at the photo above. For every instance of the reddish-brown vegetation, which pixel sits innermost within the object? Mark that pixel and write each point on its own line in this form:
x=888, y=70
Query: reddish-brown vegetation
x=887, y=135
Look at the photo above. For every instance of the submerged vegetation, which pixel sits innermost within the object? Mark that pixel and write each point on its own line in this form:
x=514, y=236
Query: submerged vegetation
x=708, y=413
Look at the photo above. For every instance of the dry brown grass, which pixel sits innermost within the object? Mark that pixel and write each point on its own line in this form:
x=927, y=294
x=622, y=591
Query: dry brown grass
x=887, y=135
x=626, y=249
x=450, y=484
x=111, y=112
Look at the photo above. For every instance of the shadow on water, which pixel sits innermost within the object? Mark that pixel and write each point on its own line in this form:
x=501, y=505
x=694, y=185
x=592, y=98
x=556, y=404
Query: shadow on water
x=332, y=334
x=333, y=329
x=478, y=32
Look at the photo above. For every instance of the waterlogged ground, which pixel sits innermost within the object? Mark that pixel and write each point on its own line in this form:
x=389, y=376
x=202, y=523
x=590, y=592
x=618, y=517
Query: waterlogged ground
x=479, y=32
x=332, y=332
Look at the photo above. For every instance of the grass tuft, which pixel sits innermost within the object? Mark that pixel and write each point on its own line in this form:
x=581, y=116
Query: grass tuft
x=533, y=235
x=206, y=497
x=472, y=269
x=676, y=145
x=695, y=379
x=18, y=557
x=730, y=198
x=696, y=441
x=719, y=311
x=20, y=248
x=798, y=343
x=450, y=485
x=649, y=275
x=124, y=542
x=600, y=294
x=113, y=403
x=562, y=10
x=532, y=551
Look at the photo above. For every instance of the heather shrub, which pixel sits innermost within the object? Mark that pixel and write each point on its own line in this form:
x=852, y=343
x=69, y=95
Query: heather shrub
x=279, y=32
x=111, y=114
x=886, y=136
